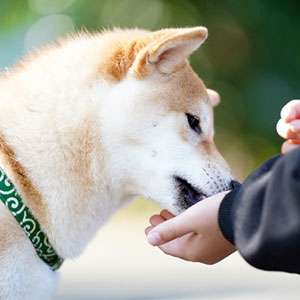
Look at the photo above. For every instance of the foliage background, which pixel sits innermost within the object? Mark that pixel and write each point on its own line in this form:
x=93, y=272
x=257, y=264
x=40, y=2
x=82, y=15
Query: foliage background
x=251, y=56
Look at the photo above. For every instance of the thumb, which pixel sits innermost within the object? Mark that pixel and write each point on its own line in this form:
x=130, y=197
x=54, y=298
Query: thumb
x=170, y=230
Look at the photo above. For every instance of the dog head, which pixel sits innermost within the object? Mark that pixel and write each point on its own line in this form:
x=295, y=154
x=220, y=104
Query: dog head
x=160, y=120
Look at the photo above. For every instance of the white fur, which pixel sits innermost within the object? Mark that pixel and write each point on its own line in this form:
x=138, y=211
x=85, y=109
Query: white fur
x=137, y=149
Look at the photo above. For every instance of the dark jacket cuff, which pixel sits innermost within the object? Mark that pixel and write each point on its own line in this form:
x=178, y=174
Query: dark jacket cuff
x=224, y=217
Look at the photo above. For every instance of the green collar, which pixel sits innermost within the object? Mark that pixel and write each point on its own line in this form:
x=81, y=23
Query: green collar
x=31, y=226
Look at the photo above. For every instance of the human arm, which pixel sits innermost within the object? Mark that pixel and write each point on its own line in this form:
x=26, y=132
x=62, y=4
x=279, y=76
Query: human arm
x=265, y=215
x=262, y=219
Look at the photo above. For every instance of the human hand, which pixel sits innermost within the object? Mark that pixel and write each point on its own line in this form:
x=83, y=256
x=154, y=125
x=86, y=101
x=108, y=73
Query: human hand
x=194, y=235
x=288, y=126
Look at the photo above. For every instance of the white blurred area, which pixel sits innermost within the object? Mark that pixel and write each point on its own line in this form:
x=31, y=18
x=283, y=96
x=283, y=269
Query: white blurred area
x=51, y=24
x=119, y=264
x=47, y=29
x=45, y=7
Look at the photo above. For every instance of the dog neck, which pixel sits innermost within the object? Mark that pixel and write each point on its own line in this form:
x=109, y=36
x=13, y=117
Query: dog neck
x=17, y=173
x=51, y=146
x=60, y=174
x=13, y=201
x=62, y=192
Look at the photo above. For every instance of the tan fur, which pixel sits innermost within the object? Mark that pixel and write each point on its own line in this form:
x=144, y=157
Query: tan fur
x=89, y=124
x=81, y=151
x=25, y=186
x=128, y=47
x=209, y=147
x=190, y=89
x=120, y=54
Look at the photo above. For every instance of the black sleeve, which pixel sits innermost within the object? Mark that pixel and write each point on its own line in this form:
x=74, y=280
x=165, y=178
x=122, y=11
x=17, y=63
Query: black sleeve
x=262, y=217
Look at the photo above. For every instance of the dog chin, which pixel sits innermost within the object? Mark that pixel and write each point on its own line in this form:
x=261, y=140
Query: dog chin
x=180, y=207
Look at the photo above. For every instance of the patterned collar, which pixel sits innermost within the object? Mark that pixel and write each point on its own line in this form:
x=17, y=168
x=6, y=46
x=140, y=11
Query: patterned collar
x=31, y=226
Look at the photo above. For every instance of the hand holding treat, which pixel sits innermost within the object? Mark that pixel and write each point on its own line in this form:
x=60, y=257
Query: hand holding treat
x=288, y=126
x=248, y=217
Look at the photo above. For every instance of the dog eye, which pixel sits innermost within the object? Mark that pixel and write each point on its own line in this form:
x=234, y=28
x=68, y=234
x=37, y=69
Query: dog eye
x=194, y=123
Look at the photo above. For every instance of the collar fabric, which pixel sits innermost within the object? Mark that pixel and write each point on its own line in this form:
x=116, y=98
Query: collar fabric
x=39, y=240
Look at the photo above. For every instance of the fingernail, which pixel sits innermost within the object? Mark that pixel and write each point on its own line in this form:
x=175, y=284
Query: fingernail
x=154, y=238
x=295, y=142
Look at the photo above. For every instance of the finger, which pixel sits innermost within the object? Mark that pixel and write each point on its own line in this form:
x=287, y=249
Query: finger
x=290, y=146
x=166, y=214
x=156, y=219
x=148, y=229
x=285, y=130
x=291, y=111
x=180, y=247
x=295, y=126
x=198, y=248
x=170, y=229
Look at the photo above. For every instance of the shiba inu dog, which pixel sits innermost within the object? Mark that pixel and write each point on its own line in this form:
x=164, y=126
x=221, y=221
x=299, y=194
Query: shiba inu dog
x=87, y=125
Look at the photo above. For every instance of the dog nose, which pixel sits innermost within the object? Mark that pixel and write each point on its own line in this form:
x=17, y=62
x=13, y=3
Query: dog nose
x=234, y=184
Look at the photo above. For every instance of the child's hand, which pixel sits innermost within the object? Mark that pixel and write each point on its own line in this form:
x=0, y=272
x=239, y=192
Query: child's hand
x=288, y=126
x=194, y=235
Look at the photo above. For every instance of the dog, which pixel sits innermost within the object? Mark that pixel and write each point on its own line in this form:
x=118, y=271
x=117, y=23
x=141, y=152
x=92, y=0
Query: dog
x=92, y=122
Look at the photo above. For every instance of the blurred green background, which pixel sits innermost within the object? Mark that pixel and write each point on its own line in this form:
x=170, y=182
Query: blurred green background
x=251, y=56
x=252, y=59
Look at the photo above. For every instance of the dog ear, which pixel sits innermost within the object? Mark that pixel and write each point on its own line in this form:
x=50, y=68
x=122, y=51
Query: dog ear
x=168, y=49
x=214, y=97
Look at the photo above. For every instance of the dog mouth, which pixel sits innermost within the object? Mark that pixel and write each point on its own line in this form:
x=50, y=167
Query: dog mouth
x=188, y=194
